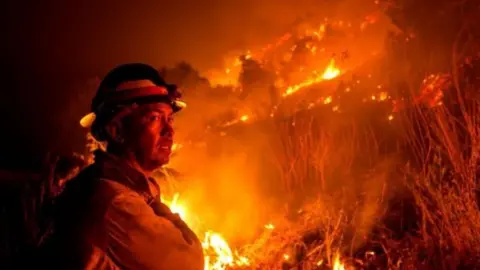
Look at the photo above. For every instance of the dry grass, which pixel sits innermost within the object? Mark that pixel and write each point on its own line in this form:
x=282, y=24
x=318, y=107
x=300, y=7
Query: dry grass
x=342, y=204
x=438, y=167
x=445, y=186
x=332, y=204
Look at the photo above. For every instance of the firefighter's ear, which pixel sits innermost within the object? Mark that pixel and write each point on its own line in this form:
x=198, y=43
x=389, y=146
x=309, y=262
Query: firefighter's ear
x=114, y=131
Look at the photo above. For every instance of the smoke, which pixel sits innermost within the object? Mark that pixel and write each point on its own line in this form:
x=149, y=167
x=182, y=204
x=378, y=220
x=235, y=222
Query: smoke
x=220, y=184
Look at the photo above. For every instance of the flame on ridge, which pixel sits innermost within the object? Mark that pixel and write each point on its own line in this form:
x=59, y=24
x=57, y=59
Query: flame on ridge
x=330, y=72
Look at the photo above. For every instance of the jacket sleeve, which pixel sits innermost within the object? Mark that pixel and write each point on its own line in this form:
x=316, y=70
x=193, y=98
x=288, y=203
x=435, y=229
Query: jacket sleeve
x=139, y=239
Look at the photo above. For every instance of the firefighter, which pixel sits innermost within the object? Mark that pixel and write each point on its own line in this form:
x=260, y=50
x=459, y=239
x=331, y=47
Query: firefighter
x=110, y=215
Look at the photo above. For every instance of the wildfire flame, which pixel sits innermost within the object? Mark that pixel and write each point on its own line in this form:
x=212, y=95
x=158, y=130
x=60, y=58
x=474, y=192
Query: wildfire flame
x=282, y=48
x=330, y=72
x=337, y=264
x=216, y=247
x=244, y=118
x=217, y=253
x=176, y=146
x=176, y=207
x=215, y=242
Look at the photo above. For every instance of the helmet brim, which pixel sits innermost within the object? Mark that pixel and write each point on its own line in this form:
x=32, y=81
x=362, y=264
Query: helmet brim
x=87, y=120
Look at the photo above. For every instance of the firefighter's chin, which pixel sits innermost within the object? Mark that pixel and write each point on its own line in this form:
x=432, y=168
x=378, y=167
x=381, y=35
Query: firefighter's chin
x=156, y=163
x=162, y=156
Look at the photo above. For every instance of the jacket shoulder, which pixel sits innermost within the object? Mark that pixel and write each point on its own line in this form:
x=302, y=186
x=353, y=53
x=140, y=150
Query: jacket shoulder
x=88, y=193
x=91, y=181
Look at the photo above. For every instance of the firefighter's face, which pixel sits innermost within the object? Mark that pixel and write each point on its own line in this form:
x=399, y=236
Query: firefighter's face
x=149, y=135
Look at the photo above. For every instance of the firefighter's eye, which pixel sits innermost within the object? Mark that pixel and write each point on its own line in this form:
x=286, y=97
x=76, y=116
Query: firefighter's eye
x=152, y=117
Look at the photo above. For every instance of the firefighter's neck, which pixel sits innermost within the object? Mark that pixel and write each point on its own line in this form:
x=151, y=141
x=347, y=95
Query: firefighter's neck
x=129, y=157
x=131, y=160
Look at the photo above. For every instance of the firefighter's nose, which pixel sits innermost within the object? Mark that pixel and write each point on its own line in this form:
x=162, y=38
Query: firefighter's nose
x=167, y=130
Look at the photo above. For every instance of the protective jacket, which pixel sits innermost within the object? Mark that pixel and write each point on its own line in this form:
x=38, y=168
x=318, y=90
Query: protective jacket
x=110, y=217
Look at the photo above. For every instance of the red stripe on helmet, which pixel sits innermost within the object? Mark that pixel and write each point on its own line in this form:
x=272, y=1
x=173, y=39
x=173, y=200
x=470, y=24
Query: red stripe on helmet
x=124, y=95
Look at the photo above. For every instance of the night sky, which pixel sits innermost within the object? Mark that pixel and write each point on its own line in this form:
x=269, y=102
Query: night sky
x=50, y=48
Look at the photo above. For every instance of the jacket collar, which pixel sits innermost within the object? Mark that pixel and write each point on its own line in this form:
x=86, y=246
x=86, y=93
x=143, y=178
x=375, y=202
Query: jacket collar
x=113, y=168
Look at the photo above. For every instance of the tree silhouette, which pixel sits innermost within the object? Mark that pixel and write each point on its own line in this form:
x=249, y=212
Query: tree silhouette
x=184, y=76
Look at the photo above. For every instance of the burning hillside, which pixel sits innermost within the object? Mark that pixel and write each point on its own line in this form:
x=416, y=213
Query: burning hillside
x=303, y=58
x=295, y=67
x=320, y=102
